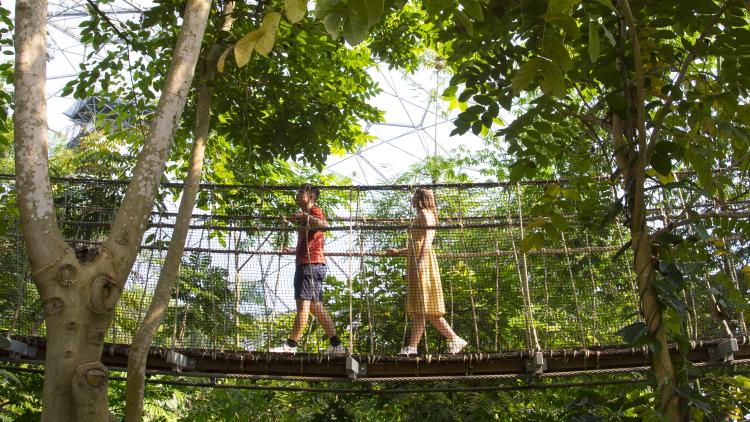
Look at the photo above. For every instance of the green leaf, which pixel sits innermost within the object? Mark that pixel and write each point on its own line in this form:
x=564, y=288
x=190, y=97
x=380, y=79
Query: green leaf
x=634, y=332
x=532, y=241
x=464, y=21
x=332, y=23
x=473, y=9
x=617, y=104
x=524, y=75
x=374, y=11
x=295, y=10
x=483, y=99
x=553, y=81
x=661, y=161
x=594, y=41
x=560, y=7
x=555, y=50
x=434, y=7
x=607, y=3
x=356, y=21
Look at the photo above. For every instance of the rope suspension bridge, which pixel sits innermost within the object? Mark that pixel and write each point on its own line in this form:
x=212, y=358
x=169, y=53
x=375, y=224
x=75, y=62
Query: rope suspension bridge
x=528, y=305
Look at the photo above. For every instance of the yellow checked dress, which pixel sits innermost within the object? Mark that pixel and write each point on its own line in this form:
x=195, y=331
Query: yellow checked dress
x=424, y=292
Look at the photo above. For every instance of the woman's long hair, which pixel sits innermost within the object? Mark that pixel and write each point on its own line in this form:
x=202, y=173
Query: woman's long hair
x=425, y=200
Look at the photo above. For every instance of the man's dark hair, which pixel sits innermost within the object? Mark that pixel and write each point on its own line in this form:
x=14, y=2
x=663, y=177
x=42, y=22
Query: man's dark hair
x=315, y=192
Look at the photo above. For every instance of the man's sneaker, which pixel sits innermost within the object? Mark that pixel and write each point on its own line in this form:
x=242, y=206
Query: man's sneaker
x=455, y=346
x=408, y=350
x=284, y=348
x=336, y=350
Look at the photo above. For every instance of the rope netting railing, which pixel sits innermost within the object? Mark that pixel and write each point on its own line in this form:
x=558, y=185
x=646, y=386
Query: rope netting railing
x=390, y=267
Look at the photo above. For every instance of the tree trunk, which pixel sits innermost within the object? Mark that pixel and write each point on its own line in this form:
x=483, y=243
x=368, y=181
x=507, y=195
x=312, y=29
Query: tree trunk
x=79, y=290
x=669, y=401
x=157, y=309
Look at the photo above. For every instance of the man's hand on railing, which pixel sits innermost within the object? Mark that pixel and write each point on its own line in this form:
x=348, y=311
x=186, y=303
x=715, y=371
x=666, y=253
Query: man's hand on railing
x=288, y=250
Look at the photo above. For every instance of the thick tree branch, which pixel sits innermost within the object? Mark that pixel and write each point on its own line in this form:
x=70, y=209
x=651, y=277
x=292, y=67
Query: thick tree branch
x=135, y=388
x=131, y=219
x=43, y=239
x=168, y=276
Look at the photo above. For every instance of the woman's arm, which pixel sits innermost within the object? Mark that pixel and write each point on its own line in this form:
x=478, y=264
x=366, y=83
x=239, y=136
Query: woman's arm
x=425, y=218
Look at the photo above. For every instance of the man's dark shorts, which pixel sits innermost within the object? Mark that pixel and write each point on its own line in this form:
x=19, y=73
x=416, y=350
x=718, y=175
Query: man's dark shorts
x=308, y=282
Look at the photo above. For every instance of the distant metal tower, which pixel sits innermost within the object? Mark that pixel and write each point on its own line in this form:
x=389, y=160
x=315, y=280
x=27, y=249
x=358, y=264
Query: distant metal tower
x=66, y=52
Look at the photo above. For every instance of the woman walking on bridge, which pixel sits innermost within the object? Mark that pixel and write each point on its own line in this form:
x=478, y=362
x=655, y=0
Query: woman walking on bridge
x=424, y=291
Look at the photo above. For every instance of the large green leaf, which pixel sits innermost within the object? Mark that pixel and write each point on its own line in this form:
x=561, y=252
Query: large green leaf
x=525, y=75
x=560, y=7
x=356, y=21
x=473, y=9
x=555, y=50
x=594, y=44
x=553, y=81
x=434, y=7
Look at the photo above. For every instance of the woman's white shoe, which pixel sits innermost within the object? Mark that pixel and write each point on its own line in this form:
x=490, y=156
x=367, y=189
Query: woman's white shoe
x=408, y=350
x=456, y=345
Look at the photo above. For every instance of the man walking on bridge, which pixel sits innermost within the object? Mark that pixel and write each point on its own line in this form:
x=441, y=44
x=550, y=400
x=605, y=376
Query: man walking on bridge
x=310, y=272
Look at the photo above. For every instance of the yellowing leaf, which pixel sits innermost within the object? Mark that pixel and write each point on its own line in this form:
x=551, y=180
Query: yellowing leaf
x=295, y=10
x=268, y=37
x=553, y=190
x=223, y=59
x=243, y=49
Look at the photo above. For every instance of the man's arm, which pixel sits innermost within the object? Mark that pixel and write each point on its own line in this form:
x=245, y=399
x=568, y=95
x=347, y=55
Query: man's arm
x=313, y=219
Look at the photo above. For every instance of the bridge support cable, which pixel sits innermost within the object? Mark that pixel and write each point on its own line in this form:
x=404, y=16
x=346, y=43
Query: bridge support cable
x=731, y=271
x=579, y=318
x=469, y=273
x=365, y=280
x=497, y=294
x=536, y=363
x=351, y=367
x=594, y=289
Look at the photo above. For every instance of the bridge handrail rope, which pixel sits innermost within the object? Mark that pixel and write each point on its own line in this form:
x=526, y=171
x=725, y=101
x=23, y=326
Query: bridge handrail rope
x=390, y=227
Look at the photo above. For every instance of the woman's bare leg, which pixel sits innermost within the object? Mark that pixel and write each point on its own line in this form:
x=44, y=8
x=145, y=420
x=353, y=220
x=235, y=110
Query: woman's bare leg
x=417, y=330
x=444, y=328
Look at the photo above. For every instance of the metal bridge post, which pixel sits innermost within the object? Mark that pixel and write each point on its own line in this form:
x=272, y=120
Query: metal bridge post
x=17, y=348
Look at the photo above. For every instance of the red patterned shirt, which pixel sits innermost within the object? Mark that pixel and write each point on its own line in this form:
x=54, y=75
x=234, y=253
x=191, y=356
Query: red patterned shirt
x=310, y=242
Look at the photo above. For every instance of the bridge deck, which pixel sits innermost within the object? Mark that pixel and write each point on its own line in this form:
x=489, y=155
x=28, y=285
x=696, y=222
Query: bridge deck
x=563, y=362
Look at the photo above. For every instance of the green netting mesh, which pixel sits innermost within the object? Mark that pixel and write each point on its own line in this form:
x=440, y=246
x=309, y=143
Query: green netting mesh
x=236, y=287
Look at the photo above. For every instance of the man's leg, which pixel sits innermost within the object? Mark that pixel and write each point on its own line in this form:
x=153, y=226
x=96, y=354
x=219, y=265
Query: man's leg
x=325, y=320
x=303, y=309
